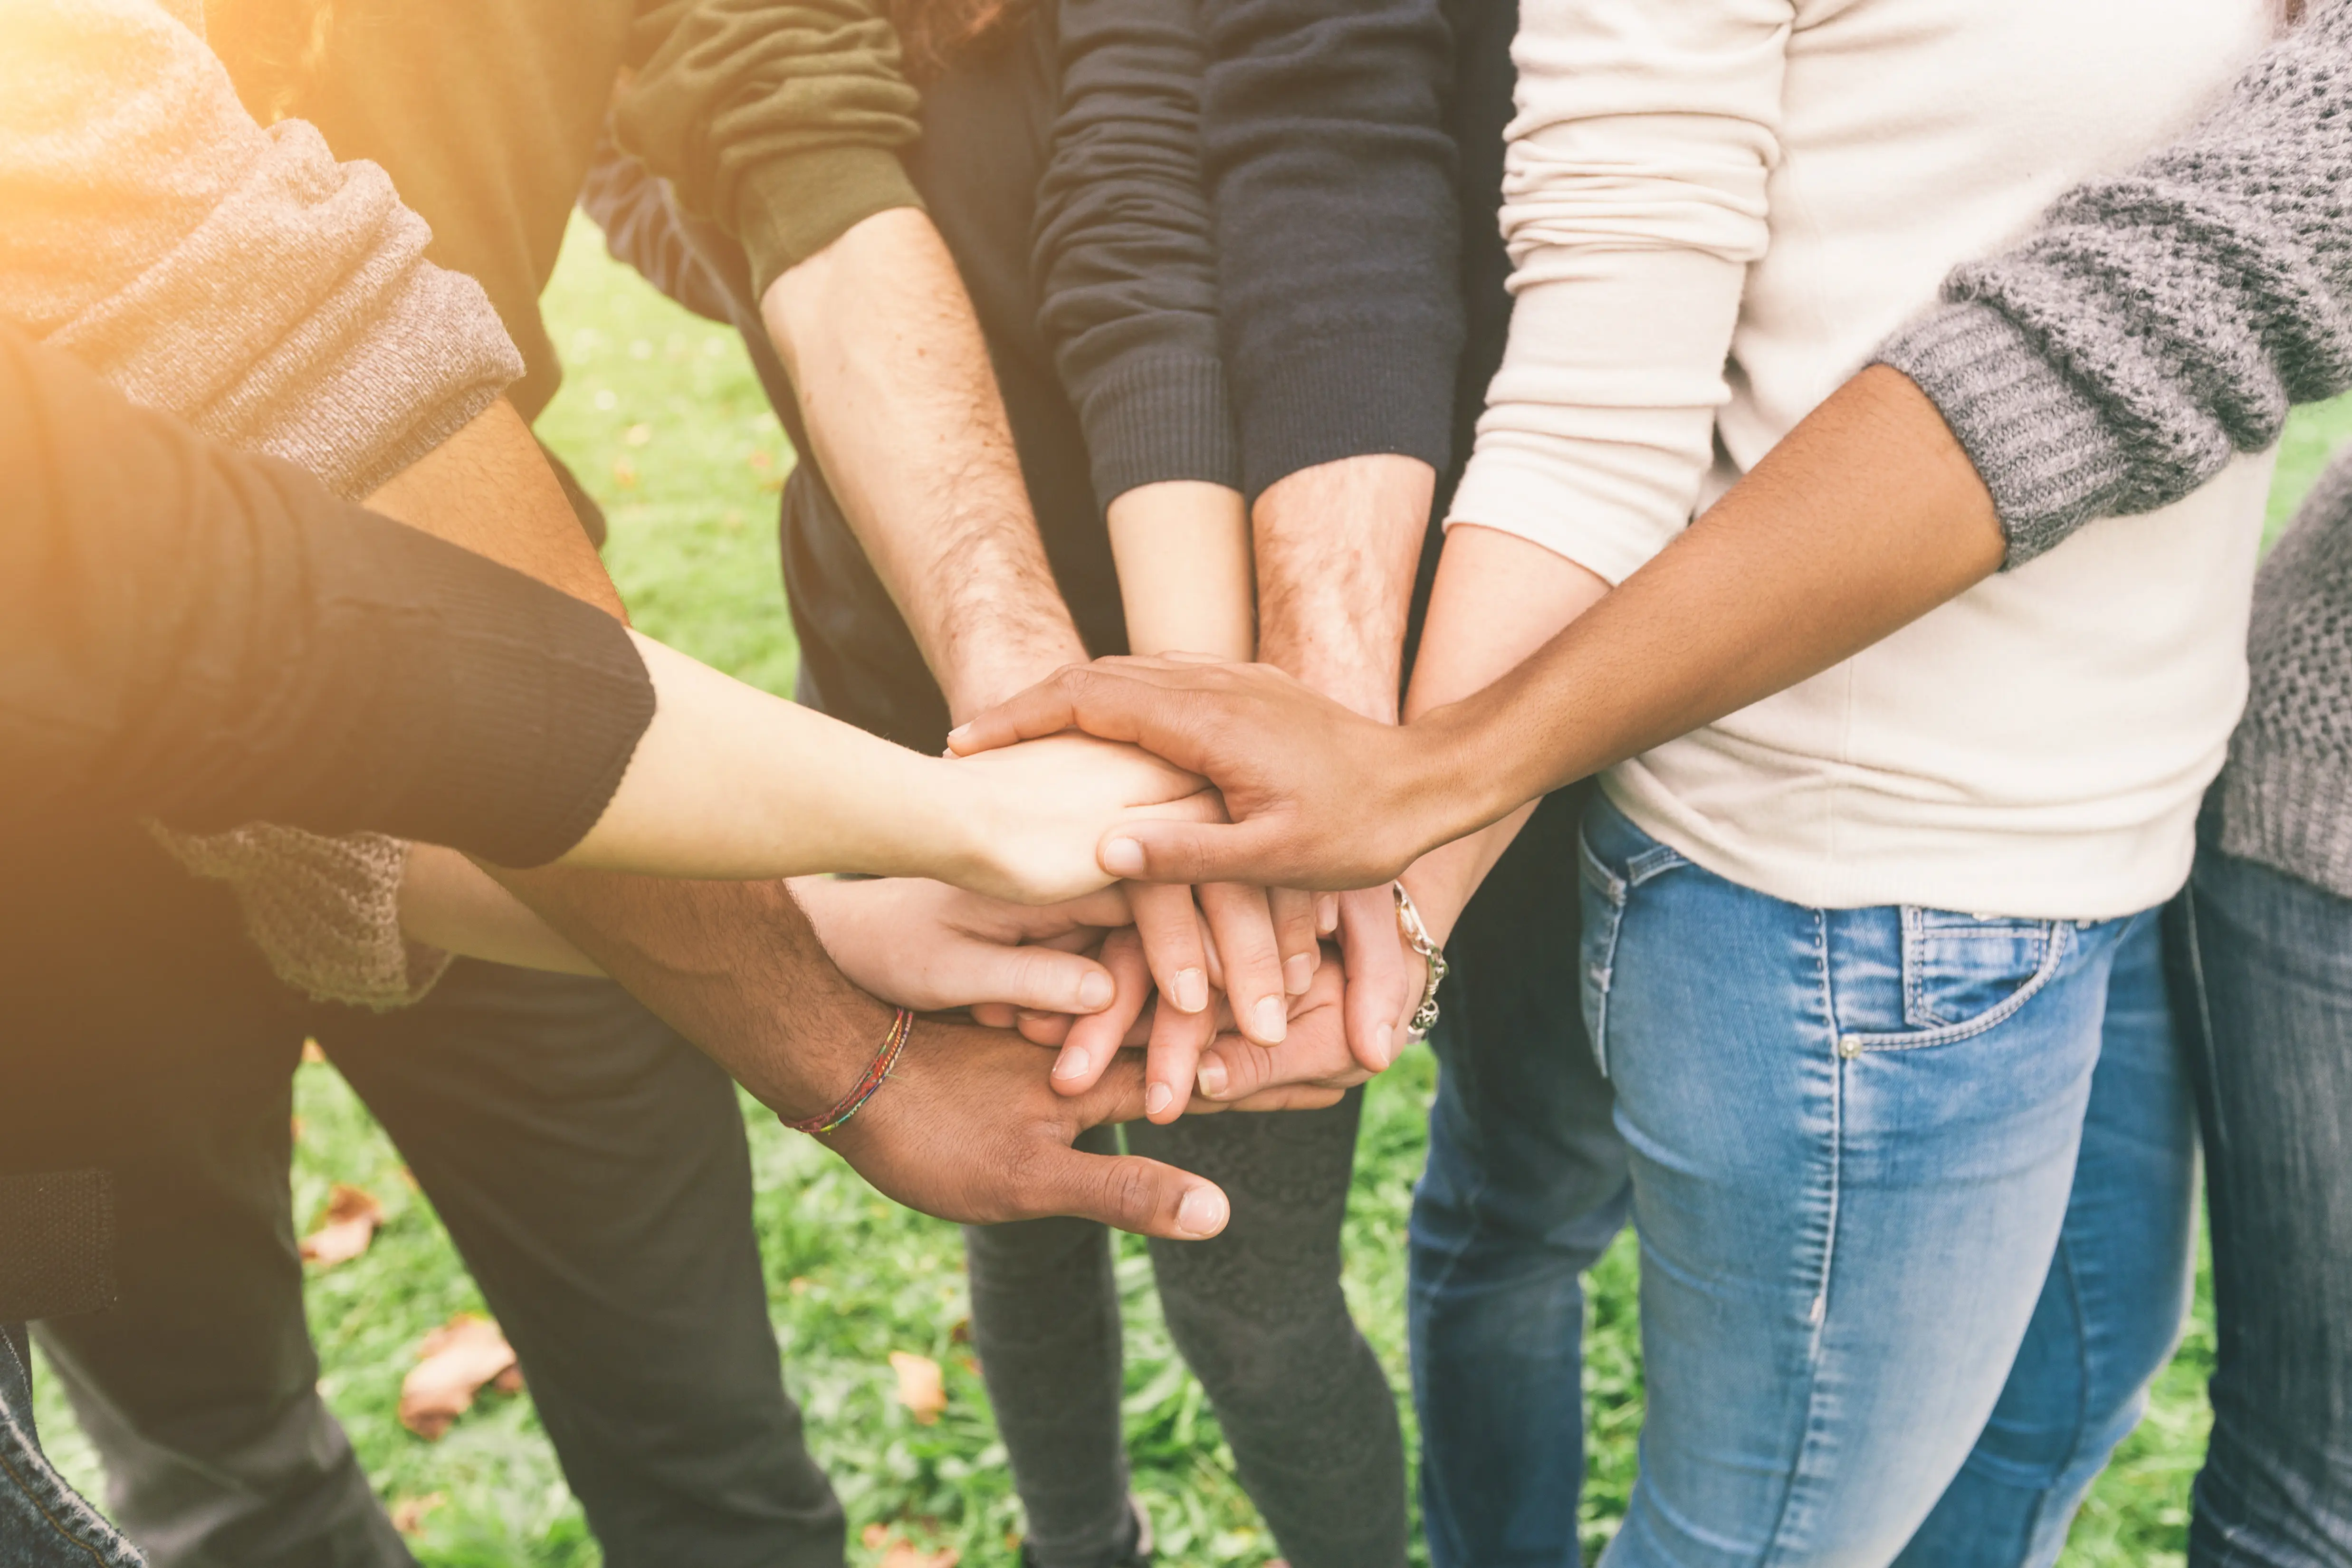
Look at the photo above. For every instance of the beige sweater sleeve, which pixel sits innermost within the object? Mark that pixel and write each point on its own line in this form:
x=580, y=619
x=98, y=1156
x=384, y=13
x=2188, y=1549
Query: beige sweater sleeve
x=237, y=276
x=243, y=279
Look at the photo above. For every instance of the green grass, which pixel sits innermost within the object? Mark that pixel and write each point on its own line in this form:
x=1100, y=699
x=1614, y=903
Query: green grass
x=662, y=419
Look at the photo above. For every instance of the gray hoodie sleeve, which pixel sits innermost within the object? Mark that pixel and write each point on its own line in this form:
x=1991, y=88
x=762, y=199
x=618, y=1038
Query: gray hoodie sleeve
x=2162, y=321
x=237, y=276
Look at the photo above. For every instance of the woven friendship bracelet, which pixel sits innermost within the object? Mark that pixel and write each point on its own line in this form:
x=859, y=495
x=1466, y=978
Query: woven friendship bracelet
x=855, y=1100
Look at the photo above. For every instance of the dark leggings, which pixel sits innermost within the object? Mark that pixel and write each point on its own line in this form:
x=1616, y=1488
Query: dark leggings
x=1257, y=1313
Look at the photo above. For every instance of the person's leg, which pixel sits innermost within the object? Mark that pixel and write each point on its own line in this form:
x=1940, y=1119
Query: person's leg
x=43, y=1523
x=2272, y=1048
x=1046, y=1325
x=199, y=1386
x=2110, y=1311
x=591, y=1168
x=1259, y=1315
x=1852, y=1138
x=1524, y=1189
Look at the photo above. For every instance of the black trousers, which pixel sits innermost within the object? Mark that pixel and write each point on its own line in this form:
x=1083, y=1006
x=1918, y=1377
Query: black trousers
x=589, y=1164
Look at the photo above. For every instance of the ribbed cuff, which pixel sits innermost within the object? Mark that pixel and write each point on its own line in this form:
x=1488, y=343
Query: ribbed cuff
x=787, y=210
x=2037, y=439
x=1159, y=419
x=2289, y=811
x=544, y=701
x=435, y=358
x=1343, y=400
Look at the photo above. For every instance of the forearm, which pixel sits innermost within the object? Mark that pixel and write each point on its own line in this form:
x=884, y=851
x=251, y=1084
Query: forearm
x=1336, y=547
x=1183, y=548
x=488, y=488
x=729, y=781
x=901, y=404
x=1867, y=517
x=1496, y=600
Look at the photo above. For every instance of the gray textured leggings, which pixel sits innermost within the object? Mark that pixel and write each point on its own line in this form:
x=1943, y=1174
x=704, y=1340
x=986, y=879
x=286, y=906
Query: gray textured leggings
x=1258, y=1314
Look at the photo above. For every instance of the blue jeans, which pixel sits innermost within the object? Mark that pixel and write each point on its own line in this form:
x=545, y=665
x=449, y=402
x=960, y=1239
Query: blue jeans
x=1853, y=1139
x=2269, y=960
x=1525, y=1188
x=43, y=1523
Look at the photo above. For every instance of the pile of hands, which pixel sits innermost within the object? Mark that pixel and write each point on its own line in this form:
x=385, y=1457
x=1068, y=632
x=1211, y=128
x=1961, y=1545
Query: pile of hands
x=1235, y=996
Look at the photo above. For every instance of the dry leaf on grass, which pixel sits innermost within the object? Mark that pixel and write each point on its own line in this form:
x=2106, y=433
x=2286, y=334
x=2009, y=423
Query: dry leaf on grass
x=897, y=1552
x=408, y=1513
x=920, y=1388
x=350, y=1223
x=454, y=1362
x=311, y=1054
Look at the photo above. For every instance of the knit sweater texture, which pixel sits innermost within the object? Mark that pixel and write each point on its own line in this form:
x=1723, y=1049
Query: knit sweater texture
x=275, y=299
x=2156, y=324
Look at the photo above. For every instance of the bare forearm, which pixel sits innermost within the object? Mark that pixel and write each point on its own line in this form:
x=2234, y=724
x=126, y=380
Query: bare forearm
x=1866, y=518
x=896, y=388
x=1337, y=546
x=1497, y=598
x=1183, y=553
x=489, y=488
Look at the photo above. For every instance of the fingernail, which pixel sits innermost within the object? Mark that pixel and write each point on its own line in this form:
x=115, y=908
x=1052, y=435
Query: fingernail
x=1095, y=991
x=1156, y=1098
x=1327, y=915
x=1073, y=1064
x=1384, y=1044
x=1298, y=972
x=1202, y=1212
x=958, y=733
x=1191, y=991
x=1273, y=1020
x=1123, y=857
x=1213, y=1078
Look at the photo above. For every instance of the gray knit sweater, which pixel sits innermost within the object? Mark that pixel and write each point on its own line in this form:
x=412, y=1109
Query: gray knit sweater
x=243, y=279
x=2156, y=324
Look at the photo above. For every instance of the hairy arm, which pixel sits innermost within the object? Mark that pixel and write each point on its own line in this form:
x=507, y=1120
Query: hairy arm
x=901, y=402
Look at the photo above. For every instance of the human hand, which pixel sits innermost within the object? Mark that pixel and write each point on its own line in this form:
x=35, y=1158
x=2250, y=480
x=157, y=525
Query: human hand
x=926, y=945
x=1030, y=817
x=1311, y=1068
x=966, y=1128
x=1320, y=796
x=1318, y=1058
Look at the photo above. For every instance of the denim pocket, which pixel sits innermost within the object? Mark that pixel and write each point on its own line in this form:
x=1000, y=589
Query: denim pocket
x=1606, y=890
x=1604, y=908
x=1963, y=974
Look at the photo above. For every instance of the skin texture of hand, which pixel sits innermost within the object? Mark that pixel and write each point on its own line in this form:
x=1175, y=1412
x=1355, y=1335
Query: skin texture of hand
x=1313, y=786
x=967, y=1130
x=931, y=947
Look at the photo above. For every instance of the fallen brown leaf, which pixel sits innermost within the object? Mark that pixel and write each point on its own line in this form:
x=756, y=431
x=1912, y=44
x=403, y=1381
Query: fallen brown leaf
x=311, y=1054
x=453, y=1363
x=408, y=1513
x=897, y=1552
x=920, y=1388
x=347, y=1227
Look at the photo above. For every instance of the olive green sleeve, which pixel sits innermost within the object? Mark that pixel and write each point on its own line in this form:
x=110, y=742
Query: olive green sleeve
x=780, y=121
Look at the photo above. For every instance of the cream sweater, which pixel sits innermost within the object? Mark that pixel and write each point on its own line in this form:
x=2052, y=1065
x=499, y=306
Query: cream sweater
x=1718, y=209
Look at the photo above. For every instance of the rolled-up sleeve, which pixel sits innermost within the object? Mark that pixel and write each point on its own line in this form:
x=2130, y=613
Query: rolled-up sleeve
x=211, y=637
x=239, y=277
x=1634, y=197
x=780, y=121
x=1125, y=249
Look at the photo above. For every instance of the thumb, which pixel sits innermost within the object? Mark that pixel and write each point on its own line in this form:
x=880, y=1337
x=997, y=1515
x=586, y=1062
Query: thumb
x=1158, y=850
x=1128, y=1191
x=1042, y=710
x=966, y=972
